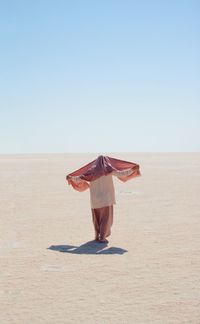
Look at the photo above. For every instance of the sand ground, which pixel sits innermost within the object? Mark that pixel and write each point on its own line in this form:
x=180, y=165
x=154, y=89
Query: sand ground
x=51, y=272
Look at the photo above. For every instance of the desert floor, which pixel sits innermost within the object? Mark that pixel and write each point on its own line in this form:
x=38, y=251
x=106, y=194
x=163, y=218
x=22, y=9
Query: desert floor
x=51, y=270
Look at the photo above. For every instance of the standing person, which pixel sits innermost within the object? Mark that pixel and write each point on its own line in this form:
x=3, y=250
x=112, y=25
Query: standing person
x=102, y=199
x=97, y=176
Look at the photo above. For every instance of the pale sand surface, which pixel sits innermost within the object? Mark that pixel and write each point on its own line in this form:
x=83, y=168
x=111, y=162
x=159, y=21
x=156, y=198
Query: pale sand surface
x=148, y=273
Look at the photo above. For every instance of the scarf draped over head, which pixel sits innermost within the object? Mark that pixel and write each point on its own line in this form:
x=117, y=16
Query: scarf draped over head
x=102, y=166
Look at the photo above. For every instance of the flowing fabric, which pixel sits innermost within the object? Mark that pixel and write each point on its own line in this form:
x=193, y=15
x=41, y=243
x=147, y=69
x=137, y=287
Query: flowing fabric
x=102, y=166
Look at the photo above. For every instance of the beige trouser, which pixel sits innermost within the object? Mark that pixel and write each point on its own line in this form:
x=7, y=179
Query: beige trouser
x=102, y=220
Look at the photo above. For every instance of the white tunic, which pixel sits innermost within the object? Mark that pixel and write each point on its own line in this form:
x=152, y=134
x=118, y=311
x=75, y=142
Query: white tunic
x=102, y=192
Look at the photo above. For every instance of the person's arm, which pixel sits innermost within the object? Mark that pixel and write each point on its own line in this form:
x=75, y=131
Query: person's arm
x=75, y=179
x=78, y=183
x=123, y=173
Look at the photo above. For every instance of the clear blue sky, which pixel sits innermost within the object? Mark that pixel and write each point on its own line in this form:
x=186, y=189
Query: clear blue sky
x=99, y=75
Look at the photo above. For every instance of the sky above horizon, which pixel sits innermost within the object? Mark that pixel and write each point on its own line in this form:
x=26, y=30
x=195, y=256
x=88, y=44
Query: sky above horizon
x=99, y=76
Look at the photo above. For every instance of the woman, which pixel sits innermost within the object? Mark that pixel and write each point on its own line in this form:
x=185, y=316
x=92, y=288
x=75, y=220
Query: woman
x=97, y=176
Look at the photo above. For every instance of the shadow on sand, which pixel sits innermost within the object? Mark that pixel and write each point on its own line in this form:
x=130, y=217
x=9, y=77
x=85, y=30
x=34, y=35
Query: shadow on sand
x=91, y=247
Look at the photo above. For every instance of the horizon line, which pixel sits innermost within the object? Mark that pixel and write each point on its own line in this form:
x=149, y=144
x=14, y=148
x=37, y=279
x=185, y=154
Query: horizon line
x=93, y=152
